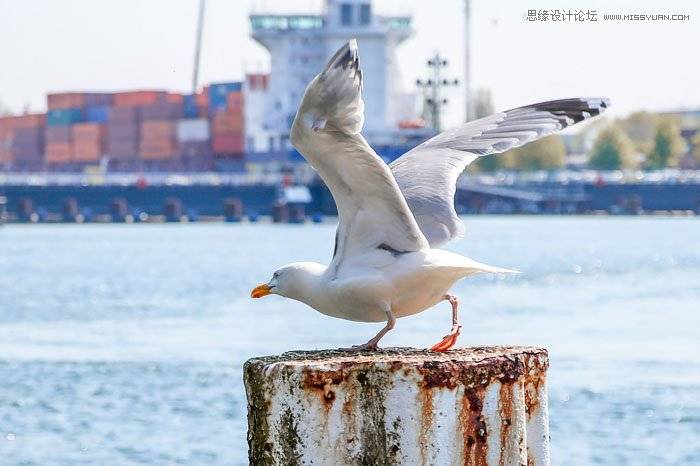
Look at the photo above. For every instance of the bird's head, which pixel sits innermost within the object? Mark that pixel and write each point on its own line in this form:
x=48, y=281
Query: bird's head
x=295, y=281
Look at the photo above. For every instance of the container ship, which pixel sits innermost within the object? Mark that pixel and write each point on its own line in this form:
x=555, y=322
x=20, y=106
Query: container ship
x=224, y=149
x=139, y=130
x=226, y=125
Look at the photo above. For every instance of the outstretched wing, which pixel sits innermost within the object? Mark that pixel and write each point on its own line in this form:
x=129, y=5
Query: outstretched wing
x=372, y=212
x=427, y=174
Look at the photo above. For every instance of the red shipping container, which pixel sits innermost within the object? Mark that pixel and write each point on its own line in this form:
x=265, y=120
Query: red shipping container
x=257, y=81
x=228, y=144
x=174, y=98
x=234, y=102
x=64, y=100
x=136, y=98
x=31, y=120
x=6, y=135
x=227, y=123
x=7, y=155
x=202, y=101
x=59, y=152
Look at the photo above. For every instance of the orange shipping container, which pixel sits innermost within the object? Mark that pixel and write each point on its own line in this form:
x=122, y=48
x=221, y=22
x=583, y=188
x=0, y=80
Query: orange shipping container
x=136, y=98
x=59, y=152
x=88, y=142
x=32, y=120
x=227, y=123
x=158, y=140
x=174, y=98
x=87, y=152
x=154, y=129
x=88, y=133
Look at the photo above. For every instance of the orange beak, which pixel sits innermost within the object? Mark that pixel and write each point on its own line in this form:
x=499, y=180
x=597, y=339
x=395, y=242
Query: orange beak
x=260, y=291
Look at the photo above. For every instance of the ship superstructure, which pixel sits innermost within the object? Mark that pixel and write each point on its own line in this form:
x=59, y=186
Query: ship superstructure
x=299, y=46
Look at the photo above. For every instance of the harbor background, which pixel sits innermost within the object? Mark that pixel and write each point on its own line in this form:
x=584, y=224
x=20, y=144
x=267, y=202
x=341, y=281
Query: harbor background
x=190, y=131
x=124, y=344
x=124, y=309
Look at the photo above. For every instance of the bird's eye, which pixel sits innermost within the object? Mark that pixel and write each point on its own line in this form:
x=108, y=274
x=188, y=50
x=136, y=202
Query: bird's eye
x=275, y=275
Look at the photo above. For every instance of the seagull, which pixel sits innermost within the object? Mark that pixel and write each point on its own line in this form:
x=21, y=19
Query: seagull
x=392, y=219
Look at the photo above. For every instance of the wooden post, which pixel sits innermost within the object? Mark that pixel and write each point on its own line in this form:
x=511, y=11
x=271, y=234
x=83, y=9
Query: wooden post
x=399, y=406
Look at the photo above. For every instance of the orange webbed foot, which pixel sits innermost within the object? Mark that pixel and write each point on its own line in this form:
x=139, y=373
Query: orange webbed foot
x=448, y=341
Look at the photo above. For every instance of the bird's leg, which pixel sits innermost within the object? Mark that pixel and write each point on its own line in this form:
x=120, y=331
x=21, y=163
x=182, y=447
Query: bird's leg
x=372, y=344
x=449, y=340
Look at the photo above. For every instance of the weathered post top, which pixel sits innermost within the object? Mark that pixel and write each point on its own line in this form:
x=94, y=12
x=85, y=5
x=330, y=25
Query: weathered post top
x=399, y=406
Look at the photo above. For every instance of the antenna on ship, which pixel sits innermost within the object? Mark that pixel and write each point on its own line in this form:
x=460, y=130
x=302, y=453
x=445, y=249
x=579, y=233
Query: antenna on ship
x=198, y=47
x=434, y=101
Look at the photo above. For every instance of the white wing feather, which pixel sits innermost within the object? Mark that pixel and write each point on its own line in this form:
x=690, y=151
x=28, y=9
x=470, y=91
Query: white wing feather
x=372, y=212
x=427, y=174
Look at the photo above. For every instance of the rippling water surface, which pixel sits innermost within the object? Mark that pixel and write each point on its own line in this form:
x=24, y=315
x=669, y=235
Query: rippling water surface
x=123, y=344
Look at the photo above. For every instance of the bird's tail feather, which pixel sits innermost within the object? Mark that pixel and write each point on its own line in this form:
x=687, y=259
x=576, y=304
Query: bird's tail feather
x=478, y=267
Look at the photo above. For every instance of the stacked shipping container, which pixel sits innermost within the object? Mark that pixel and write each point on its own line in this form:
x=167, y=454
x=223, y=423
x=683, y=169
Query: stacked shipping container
x=133, y=126
x=227, y=118
x=59, y=147
x=123, y=132
x=88, y=142
x=21, y=138
x=157, y=140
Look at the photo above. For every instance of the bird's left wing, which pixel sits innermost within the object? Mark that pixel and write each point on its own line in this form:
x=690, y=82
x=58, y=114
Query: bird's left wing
x=427, y=174
x=372, y=212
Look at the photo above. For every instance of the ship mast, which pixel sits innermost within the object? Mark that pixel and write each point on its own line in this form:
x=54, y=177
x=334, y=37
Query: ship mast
x=198, y=46
x=468, y=111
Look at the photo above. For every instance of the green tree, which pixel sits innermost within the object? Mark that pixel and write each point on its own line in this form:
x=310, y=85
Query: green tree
x=612, y=150
x=488, y=163
x=640, y=128
x=668, y=146
x=543, y=154
x=483, y=103
x=696, y=147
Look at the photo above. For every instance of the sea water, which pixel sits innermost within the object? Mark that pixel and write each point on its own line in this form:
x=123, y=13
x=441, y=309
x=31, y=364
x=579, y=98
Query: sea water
x=124, y=344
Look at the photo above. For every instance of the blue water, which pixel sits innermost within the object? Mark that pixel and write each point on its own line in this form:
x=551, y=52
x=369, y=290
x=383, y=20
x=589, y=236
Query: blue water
x=123, y=345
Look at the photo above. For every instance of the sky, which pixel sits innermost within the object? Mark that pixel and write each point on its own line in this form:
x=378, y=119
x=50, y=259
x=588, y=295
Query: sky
x=52, y=45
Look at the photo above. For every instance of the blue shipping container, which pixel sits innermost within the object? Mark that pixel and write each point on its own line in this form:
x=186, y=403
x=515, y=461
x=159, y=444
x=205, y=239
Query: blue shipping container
x=97, y=113
x=64, y=116
x=189, y=104
x=218, y=93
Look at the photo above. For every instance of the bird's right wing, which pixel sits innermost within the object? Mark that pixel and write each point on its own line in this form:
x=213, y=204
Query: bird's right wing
x=427, y=174
x=372, y=213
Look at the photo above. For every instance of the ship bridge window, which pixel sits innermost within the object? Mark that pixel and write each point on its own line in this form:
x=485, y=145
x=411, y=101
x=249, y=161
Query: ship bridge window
x=365, y=13
x=346, y=14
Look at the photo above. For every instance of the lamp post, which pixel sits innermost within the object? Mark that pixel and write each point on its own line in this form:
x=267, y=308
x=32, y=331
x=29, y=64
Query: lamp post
x=433, y=100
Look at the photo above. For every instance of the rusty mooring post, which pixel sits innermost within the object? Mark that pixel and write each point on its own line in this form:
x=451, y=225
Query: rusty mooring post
x=400, y=406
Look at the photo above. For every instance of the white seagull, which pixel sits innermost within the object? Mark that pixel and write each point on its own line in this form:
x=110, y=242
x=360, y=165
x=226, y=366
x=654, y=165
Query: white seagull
x=392, y=218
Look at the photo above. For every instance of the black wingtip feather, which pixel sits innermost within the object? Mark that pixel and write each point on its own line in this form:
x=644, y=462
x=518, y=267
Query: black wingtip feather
x=576, y=109
x=346, y=56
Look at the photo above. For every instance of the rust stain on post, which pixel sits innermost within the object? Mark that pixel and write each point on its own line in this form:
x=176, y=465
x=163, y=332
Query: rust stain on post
x=473, y=406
